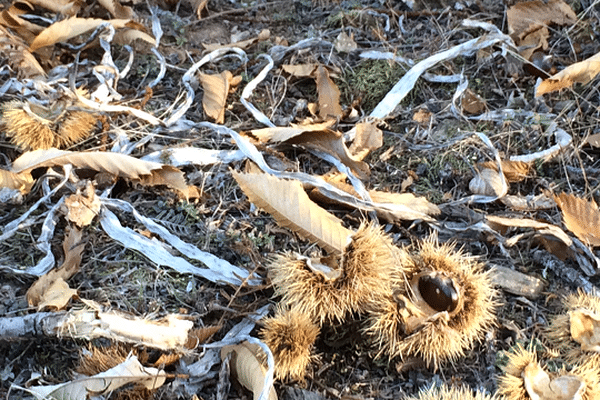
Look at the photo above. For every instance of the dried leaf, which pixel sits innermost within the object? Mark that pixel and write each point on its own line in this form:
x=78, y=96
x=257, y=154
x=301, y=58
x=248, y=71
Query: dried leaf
x=46, y=290
x=581, y=217
x=265, y=34
x=216, y=89
x=281, y=134
x=540, y=386
x=344, y=43
x=15, y=51
x=117, y=10
x=246, y=365
x=585, y=329
x=488, y=183
x=329, y=95
x=301, y=70
x=292, y=208
x=530, y=15
x=21, y=182
x=581, y=72
x=368, y=137
x=82, y=208
x=423, y=117
x=514, y=171
x=128, y=372
x=70, y=28
x=472, y=103
x=121, y=165
x=198, y=6
x=129, y=36
x=64, y=7
x=593, y=140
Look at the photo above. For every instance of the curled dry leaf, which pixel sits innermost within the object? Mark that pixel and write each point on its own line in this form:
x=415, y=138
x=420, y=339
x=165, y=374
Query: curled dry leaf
x=540, y=386
x=300, y=70
x=368, y=137
x=247, y=366
x=83, y=206
x=580, y=72
x=20, y=182
x=488, y=183
x=70, y=28
x=117, y=10
x=291, y=207
x=514, y=171
x=144, y=172
x=581, y=217
x=344, y=43
x=14, y=50
x=329, y=95
x=51, y=289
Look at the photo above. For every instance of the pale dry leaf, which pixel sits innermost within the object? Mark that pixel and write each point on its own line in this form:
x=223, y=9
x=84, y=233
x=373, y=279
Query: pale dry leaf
x=18, y=181
x=265, y=34
x=128, y=36
x=488, y=183
x=580, y=72
x=329, y=95
x=282, y=133
x=585, y=329
x=121, y=165
x=216, y=89
x=129, y=371
x=527, y=16
x=514, y=171
x=117, y=10
x=38, y=293
x=56, y=296
x=291, y=207
x=540, y=386
x=24, y=29
x=64, y=7
x=423, y=117
x=368, y=137
x=247, y=366
x=531, y=42
x=198, y=6
x=82, y=207
x=581, y=217
x=15, y=51
x=70, y=28
x=345, y=43
x=300, y=70
x=593, y=140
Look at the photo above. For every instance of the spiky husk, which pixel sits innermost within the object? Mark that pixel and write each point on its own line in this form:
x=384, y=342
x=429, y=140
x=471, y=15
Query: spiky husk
x=512, y=386
x=445, y=392
x=290, y=335
x=25, y=130
x=365, y=268
x=33, y=127
x=559, y=330
x=441, y=339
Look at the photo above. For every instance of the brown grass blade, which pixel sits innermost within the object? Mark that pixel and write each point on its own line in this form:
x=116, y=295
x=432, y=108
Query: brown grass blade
x=581, y=217
x=291, y=207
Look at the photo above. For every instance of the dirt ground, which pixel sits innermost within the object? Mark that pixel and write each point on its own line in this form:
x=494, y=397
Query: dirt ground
x=432, y=157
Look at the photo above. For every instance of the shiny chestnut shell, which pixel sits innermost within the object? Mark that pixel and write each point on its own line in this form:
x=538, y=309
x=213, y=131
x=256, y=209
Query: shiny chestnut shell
x=439, y=292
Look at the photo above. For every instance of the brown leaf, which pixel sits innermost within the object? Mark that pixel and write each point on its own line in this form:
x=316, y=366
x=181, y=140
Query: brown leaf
x=368, y=137
x=265, y=34
x=593, y=140
x=45, y=291
x=117, y=10
x=21, y=182
x=581, y=217
x=300, y=70
x=64, y=7
x=82, y=208
x=291, y=207
x=216, y=89
x=15, y=51
x=514, y=171
x=530, y=15
x=472, y=103
x=70, y=28
x=581, y=72
x=487, y=182
x=422, y=117
x=329, y=95
x=145, y=172
x=246, y=364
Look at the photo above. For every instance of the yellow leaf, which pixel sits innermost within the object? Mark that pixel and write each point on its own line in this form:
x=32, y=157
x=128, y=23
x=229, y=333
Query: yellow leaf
x=291, y=207
x=581, y=217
